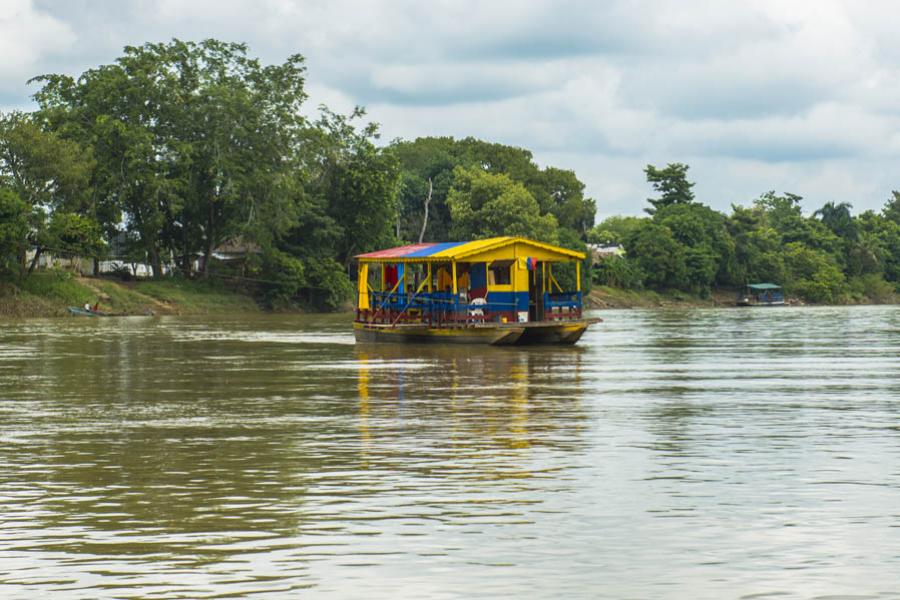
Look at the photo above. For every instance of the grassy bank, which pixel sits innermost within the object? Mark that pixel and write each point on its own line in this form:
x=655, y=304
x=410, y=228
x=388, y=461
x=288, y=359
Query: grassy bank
x=48, y=294
x=611, y=297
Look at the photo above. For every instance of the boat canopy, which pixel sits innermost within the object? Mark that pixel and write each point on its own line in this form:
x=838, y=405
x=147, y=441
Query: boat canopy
x=763, y=286
x=498, y=248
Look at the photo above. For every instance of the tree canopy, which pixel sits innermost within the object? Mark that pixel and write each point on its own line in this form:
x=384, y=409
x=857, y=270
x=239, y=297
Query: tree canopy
x=828, y=256
x=178, y=148
x=672, y=184
x=175, y=149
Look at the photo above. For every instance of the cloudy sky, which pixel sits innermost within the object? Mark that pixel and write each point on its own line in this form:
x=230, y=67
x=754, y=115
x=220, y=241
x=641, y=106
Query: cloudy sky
x=799, y=96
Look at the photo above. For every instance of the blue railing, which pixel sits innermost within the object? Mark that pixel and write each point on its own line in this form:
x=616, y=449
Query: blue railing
x=434, y=307
x=440, y=307
x=564, y=305
x=568, y=300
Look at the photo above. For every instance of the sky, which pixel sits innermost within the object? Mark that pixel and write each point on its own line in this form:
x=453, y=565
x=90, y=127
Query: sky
x=799, y=96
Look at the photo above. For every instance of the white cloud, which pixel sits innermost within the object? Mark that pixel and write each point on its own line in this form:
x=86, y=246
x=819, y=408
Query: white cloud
x=27, y=37
x=801, y=96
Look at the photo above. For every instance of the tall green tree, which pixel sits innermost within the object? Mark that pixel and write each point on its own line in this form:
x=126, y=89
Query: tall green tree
x=614, y=230
x=558, y=192
x=15, y=227
x=708, y=247
x=672, y=184
x=347, y=206
x=194, y=141
x=659, y=256
x=484, y=204
x=814, y=275
x=359, y=182
x=758, y=250
x=49, y=175
x=838, y=219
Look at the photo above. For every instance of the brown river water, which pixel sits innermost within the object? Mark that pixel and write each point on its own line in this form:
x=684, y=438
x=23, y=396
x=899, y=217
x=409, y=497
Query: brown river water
x=672, y=454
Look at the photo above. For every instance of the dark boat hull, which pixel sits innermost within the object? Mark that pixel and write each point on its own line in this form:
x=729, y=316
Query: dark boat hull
x=494, y=334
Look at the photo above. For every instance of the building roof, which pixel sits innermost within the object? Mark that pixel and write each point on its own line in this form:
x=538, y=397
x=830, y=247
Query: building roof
x=492, y=248
x=763, y=286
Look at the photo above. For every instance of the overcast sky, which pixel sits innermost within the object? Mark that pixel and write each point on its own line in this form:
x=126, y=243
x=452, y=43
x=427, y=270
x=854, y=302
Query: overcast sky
x=797, y=96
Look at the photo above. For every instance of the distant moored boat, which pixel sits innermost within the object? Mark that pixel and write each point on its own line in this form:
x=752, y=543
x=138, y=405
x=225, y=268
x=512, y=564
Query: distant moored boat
x=761, y=294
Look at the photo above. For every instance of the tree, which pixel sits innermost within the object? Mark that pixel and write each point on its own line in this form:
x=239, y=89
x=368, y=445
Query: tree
x=558, y=192
x=878, y=248
x=359, y=182
x=614, y=230
x=422, y=161
x=345, y=205
x=194, y=141
x=758, y=252
x=672, y=184
x=710, y=254
x=49, y=175
x=618, y=271
x=484, y=204
x=659, y=256
x=838, y=219
x=70, y=235
x=892, y=208
x=815, y=276
x=14, y=229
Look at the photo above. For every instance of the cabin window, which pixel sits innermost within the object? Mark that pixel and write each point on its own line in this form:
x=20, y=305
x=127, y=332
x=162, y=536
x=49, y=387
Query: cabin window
x=500, y=273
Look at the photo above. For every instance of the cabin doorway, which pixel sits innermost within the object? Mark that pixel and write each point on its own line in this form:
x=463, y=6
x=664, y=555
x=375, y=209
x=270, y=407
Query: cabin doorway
x=535, y=297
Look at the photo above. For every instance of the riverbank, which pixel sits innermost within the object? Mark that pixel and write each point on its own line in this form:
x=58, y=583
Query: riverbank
x=48, y=294
x=610, y=297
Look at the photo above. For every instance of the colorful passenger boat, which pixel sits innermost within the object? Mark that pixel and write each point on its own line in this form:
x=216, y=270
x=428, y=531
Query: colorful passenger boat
x=499, y=291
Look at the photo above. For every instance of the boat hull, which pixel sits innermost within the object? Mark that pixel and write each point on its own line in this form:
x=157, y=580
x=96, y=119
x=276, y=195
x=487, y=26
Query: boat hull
x=80, y=312
x=494, y=334
x=749, y=304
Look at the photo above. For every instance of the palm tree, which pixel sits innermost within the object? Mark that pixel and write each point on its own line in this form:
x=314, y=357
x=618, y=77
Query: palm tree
x=838, y=219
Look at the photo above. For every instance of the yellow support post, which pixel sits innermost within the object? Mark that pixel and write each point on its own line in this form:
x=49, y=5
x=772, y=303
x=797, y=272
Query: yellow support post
x=381, y=266
x=429, y=279
x=362, y=285
x=453, y=268
x=578, y=276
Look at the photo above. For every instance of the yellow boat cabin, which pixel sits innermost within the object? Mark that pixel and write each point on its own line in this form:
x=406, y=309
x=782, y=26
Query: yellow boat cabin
x=501, y=290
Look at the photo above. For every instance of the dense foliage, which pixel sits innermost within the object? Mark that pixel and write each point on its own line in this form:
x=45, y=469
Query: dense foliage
x=176, y=149
x=829, y=256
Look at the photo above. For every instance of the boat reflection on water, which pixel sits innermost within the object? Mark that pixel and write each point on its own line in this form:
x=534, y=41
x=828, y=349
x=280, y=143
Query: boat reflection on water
x=500, y=397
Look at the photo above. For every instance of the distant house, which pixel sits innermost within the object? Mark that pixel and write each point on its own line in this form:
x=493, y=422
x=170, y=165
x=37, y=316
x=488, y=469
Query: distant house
x=601, y=251
x=117, y=258
x=47, y=260
x=235, y=250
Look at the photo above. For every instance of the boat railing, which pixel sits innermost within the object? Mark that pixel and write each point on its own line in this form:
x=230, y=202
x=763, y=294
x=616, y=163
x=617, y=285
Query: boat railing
x=446, y=308
x=562, y=305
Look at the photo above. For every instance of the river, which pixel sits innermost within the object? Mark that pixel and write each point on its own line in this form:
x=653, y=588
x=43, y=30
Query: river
x=672, y=454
